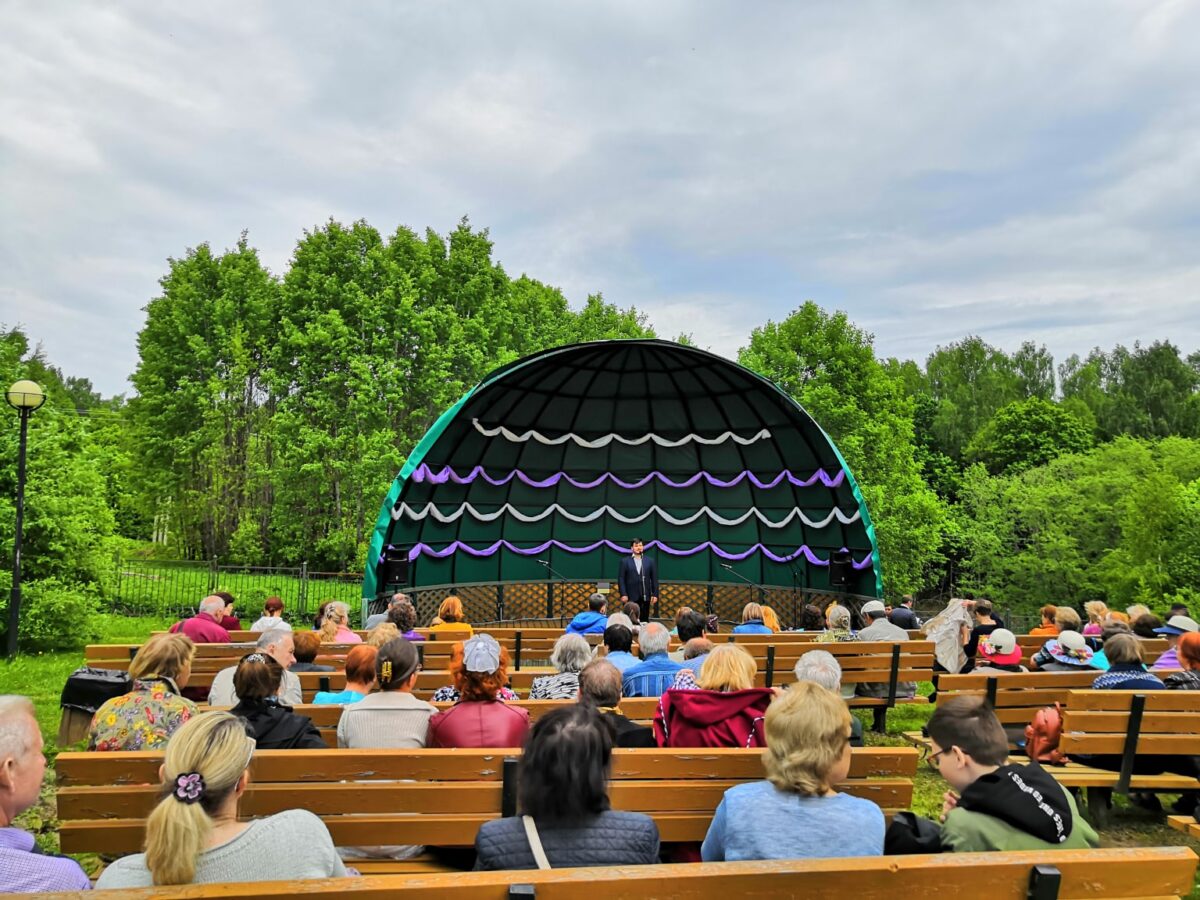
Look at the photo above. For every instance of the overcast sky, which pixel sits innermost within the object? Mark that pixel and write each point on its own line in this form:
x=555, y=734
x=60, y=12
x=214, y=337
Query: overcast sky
x=1014, y=170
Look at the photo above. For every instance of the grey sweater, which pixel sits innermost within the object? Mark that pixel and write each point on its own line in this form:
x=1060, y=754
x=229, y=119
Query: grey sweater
x=609, y=839
x=385, y=719
x=254, y=855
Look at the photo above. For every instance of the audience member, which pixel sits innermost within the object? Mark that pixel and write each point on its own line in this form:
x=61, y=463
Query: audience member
x=696, y=648
x=1144, y=626
x=305, y=647
x=593, y=620
x=618, y=641
x=821, y=667
x=837, y=626
x=205, y=626
x=1179, y=609
x=752, y=621
x=1136, y=610
x=679, y=614
x=1068, y=652
x=381, y=617
x=770, y=619
x=1096, y=611
x=600, y=686
x=570, y=654
x=1188, y=652
x=229, y=621
x=999, y=653
x=1126, y=666
x=360, y=678
x=383, y=633
x=319, y=617
x=273, y=725
x=811, y=619
x=619, y=618
x=902, y=616
x=1176, y=627
x=392, y=717
x=566, y=819
x=24, y=868
x=280, y=646
x=1067, y=619
x=479, y=667
x=689, y=626
x=797, y=813
x=272, y=616
x=403, y=615
x=633, y=612
x=146, y=717
x=336, y=627
x=656, y=671
x=725, y=709
x=880, y=629
x=451, y=619
x=985, y=624
x=194, y=836
x=995, y=805
x=1047, y=628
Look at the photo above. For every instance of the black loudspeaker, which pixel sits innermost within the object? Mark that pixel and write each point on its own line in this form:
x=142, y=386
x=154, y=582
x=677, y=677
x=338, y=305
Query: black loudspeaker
x=841, y=566
x=394, y=569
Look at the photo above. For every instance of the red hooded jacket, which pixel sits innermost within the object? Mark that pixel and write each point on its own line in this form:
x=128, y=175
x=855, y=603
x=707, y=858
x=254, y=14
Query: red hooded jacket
x=701, y=718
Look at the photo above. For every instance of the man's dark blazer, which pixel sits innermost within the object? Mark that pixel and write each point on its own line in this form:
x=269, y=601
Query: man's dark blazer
x=631, y=583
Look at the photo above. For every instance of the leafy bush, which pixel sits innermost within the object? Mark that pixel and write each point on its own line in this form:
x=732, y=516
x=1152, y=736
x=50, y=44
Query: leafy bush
x=54, y=616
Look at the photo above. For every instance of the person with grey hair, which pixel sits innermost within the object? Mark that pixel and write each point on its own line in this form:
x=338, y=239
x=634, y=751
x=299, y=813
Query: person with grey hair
x=276, y=643
x=600, y=687
x=821, y=667
x=656, y=671
x=837, y=620
x=205, y=626
x=570, y=654
x=880, y=630
x=381, y=617
x=592, y=620
x=24, y=868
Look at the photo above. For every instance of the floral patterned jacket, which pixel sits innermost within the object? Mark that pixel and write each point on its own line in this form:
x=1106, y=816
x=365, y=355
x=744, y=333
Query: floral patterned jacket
x=143, y=719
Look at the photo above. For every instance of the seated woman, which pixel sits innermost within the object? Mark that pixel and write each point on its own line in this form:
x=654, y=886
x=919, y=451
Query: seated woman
x=451, y=620
x=479, y=668
x=272, y=616
x=403, y=615
x=193, y=835
x=1047, y=628
x=1069, y=652
x=391, y=717
x=335, y=629
x=633, y=612
x=563, y=798
x=307, y=644
x=1188, y=651
x=360, y=677
x=1096, y=611
x=797, y=813
x=811, y=618
x=770, y=618
x=999, y=653
x=725, y=710
x=381, y=634
x=752, y=621
x=571, y=653
x=273, y=725
x=146, y=717
x=837, y=626
x=1127, y=666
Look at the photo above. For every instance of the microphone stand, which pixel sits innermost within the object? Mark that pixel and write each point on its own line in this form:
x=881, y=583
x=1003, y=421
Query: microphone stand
x=796, y=579
x=754, y=584
x=545, y=563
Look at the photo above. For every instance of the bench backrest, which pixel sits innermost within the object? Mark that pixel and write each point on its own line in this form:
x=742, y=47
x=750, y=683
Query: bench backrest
x=1114, y=873
x=435, y=797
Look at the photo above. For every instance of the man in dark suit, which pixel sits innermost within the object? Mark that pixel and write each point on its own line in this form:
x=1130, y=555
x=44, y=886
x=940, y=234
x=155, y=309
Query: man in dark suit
x=903, y=616
x=638, y=581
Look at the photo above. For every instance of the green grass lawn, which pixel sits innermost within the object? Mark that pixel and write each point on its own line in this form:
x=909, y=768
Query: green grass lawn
x=42, y=677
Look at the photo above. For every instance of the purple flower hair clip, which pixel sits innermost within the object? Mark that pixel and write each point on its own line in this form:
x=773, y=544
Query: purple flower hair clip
x=189, y=787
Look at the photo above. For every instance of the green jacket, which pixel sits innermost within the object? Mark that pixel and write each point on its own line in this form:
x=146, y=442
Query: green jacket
x=965, y=831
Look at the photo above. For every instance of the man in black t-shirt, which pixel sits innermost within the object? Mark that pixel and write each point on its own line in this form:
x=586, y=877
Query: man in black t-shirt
x=985, y=623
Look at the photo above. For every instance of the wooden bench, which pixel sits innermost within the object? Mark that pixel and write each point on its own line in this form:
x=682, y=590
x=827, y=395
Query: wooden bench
x=1187, y=824
x=432, y=797
x=1129, y=725
x=1039, y=875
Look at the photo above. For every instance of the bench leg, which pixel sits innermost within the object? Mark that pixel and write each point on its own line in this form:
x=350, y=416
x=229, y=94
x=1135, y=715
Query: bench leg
x=1099, y=801
x=880, y=724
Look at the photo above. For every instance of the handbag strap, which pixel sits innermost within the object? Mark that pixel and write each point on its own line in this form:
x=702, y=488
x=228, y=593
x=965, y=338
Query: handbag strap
x=535, y=843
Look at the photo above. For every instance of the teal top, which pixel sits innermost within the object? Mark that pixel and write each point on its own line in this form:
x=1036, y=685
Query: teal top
x=342, y=697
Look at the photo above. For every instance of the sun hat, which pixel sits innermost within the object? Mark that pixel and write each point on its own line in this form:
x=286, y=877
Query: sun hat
x=1001, y=648
x=872, y=606
x=481, y=654
x=1071, y=649
x=1178, y=625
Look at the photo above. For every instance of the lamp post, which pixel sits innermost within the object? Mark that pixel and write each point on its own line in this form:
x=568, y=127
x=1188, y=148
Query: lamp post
x=24, y=397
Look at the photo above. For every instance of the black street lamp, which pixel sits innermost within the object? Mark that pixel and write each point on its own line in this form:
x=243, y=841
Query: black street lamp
x=24, y=397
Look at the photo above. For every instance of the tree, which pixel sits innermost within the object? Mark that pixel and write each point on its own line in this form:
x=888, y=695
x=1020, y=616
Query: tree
x=828, y=365
x=1027, y=433
x=969, y=381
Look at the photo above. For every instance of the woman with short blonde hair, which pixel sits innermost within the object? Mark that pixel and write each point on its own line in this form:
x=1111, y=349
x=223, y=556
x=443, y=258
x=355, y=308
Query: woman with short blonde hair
x=147, y=716
x=787, y=816
x=382, y=634
x=752, y=621
x=729, y=667
x=723, y=709
x=193, y=835
x=1096, y=611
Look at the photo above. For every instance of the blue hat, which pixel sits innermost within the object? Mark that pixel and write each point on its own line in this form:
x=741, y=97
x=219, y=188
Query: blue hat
x=1178, y=625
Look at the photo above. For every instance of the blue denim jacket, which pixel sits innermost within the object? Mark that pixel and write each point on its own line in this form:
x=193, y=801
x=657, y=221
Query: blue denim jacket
x=650, y=677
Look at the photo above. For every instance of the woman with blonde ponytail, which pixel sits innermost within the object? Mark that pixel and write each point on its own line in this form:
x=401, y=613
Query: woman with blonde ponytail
x=193, y=836
x=335, y=628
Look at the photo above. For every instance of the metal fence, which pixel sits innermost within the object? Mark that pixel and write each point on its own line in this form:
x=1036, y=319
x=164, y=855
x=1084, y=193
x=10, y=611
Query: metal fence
x=176, y=587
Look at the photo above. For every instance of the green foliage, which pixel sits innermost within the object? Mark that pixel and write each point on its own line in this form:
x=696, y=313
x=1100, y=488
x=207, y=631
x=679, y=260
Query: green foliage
x=1027, y=433
x=56, y=615
x=829, y=366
